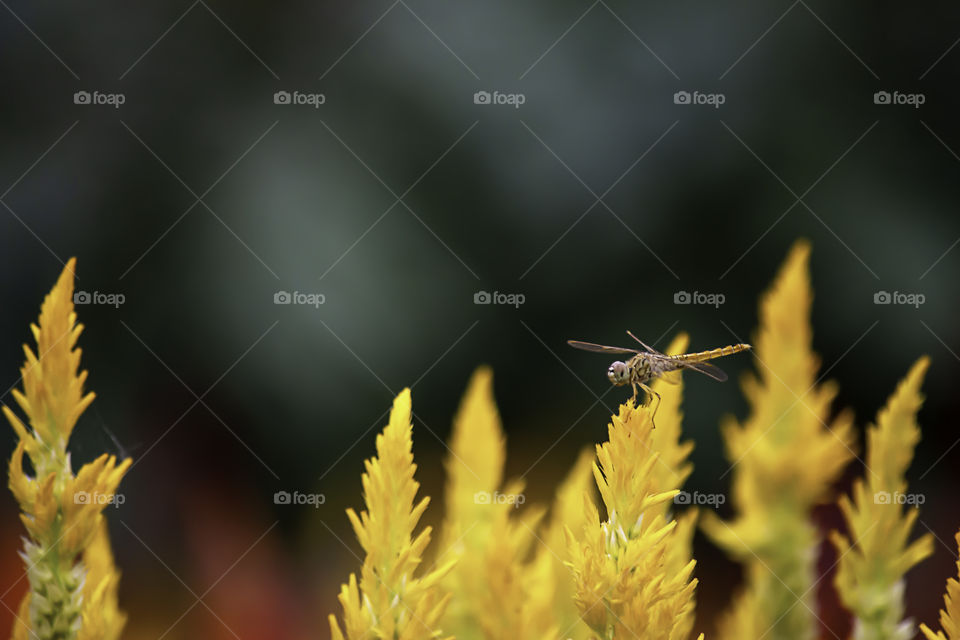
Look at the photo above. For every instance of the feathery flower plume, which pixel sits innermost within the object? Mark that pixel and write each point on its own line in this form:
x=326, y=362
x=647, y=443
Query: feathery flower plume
x=389, y=601
x=73, y=583
x=950, y=615
x=674, y=470
x=549, y=565
x=497, y=592
x=870, y=573
x=786, y=457
x=628, y=584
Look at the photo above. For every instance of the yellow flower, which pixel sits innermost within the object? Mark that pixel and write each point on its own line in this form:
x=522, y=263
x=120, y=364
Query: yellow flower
x=785, y=459
x=101, y=616
x=550, y=566
x=950, y=616
x=627, y=581
x=674, y=470
x=389, y=601
x=72, y=579
x=498, y=593
x=870, y=573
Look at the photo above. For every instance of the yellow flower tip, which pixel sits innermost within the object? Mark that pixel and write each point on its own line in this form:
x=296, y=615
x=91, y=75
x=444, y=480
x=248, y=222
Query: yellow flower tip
x=62, y=291
x=930, y=635
x=396, y=439
x=478, y=409
x=29, y=441
x=23, y=487
x=679, y=344
x=798, y=260
x=482, y=378
x=401, y=409
x=335, y=633
x=477, y=453
x=69, y=271
x=908, y=391
x=785, y=306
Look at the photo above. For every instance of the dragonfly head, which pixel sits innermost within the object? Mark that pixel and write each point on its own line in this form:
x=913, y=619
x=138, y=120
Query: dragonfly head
x=619, y=373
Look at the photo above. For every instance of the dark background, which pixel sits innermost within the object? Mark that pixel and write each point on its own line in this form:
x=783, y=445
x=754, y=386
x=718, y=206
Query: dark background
x=597, y=199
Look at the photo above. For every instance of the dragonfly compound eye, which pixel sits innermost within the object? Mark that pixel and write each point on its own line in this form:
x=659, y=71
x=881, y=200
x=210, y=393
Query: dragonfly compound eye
x=617, y=373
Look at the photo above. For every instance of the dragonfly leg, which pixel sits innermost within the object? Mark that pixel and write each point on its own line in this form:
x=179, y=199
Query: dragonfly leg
x=651, y=393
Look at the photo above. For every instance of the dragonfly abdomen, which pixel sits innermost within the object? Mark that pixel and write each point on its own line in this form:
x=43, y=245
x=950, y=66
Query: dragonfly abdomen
x=703, y=356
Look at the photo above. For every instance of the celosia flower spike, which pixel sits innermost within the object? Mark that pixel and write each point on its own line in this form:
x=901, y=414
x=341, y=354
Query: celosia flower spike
x=625, y=583
x=950, y=614
x=73, y=583
x=390, y=601
x=499, y=592
x=870, y=575
x=785, y=458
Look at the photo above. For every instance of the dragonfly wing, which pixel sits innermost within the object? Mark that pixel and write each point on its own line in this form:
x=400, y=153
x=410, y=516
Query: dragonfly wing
x=667, y=378
x=644, y=344
x=599, y=348
x=706, y=369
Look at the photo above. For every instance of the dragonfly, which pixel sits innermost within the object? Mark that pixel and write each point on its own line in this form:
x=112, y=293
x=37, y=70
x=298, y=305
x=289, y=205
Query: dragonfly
x=643, y=366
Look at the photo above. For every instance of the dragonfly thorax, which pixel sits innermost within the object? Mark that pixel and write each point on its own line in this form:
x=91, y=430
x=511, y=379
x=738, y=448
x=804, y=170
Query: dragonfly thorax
x=619, y=373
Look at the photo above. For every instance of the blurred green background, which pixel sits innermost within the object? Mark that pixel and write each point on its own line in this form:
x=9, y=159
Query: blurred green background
x=400, y=197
